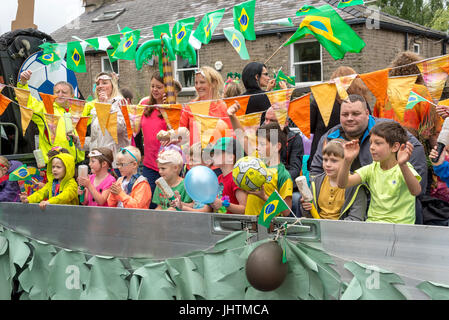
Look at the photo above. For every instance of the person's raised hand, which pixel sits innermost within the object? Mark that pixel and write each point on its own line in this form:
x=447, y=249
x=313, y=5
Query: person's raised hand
x=434, y=154
x=25, y=76
x=271, y=84
x=282, y=85
x=443, y=111
x=232, y=110
x=102, y=96
x=352, y=150
x=404, y=153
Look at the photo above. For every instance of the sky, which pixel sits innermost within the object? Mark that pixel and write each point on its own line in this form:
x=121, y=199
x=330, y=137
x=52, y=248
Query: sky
x=49, y=15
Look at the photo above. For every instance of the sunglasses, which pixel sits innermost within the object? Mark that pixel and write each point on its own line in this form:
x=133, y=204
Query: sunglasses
x=200, y=72
x=124, y=151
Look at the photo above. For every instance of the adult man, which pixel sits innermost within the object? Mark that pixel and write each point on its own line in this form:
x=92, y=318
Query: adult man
x=356, y=123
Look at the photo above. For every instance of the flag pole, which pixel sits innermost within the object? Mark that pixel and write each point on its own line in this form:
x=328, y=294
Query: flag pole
x=277, y=50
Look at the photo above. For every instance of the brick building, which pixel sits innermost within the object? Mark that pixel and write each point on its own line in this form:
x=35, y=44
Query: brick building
x=383, y=34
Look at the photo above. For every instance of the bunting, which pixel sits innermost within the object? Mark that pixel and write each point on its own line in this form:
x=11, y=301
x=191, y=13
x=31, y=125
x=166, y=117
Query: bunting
x=129, y=129
x=76, y=109
x=81, y=129
x=398, y=92
x=103, y=112
x=52, y=125
x=299, y=112
x=172, y=115
x=76, y=61
x=324, y=95
x=206, y=125
x=135, y=113
x=343, y=84
x=4, y=103
x=377, y=83
x=349, y=3
x=111, y=126
x=243, y=101
x=181, y=33
x=25, y=117
x=22, y=96
x=434, y=75
x=244, y=19
x=280, y=101
x=48, y=100
x=126, y=49
x=237, y=41
x=221, y=130
x=250, y=123
x=207, y=26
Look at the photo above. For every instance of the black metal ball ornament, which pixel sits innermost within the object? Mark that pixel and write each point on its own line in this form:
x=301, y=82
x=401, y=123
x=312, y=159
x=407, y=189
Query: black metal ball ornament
x=264, y=268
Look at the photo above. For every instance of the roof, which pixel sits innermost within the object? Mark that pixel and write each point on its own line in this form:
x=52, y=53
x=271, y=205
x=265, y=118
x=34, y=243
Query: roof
x=143, y=14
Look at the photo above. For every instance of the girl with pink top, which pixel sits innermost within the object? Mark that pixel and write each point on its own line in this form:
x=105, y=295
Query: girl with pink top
x=97, y=185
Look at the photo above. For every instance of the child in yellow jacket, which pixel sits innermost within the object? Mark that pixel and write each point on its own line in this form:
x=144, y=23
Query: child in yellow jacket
x=61, y=187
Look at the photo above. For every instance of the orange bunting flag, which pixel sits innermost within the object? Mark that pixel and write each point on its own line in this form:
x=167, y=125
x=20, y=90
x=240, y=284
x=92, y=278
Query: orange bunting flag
x=111, y=126
x=444, y=67
x=377, y=83
x=221, y=130
x=398, y=92
x=250, y=123
x=129, y=129
x=25, y=117
x=48, y=100
x=4, y=103
x=81, y=129
x=135, y=113
x=434, y=75
x=299, y=112
x=280, y=101
x=103, y=112
x=22, y=96
x=172, y=115
x=2, y=86
x=76, y=109
x=243, y=101
x=52, y=125
x=342, y=84
x=325, y=95
x=206, y=125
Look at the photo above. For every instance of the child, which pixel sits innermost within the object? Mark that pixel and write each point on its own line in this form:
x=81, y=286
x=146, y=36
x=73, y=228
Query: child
x=131, y=190
x=61, y=187
x=170, y=165
x=270, y=141
x=97, y=185
x=331, y=201
x=392, y=181
x=9, y=190
x=224, y=157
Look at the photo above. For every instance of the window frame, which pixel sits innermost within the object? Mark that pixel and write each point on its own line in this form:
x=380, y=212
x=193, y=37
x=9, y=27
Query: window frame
x=176, y=70
x=293, y=63
x=417, y=45
x=101, y=17
x=103, y=58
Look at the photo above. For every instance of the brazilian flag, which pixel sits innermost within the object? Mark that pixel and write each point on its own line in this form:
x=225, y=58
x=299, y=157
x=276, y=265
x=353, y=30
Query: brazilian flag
x=413, y=100
x=274, y=205
x=207, y=26
x=161, y=29
x=237, y=41
x=181, y=33
x=76, y=61
x=49, y=58
x=21, y=174
x=349, y=3
x=244, y=19
x=126, y=49
x=281, y=76
x=306, y=10
x=331, y=31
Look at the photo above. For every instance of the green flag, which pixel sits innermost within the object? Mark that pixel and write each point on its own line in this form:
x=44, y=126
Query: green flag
x=21, y=174
x=208, y=25
x=244, y=19
x=126, y=49
x=94, y=43
x=331, y=31
x=76, y=60
x=48, y=58
x=274, y=205
x=281, y=76
x=160, y=29
x=349, y=3
x=51, y=53
x=181, y=33
x=413, y=100
x=285, y=22
x=306, y=10
x=237, y=41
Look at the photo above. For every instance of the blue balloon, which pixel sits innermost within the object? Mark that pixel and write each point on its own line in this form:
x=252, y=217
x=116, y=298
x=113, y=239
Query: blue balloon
x=201, y=184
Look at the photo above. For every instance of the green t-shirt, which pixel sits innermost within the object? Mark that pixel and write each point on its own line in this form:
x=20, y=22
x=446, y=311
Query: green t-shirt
x=391, y=201
x=159, y=198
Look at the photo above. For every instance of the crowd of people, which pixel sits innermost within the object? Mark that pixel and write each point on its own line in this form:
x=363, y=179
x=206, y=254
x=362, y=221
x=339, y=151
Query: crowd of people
x=364, y=165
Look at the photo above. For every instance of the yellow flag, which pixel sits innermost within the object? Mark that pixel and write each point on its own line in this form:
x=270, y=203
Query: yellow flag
x=398, y=92
x=434, y=75
x=135, y=117
x=280, y=101
x=22, y=96
x=76, y=109
x=207, y=126
x=103, y=110
x=112, y=126
x=324, y=95
x=343, y=84
x=25, y=117
x=250, y=123
x=201, y=107
x=52, y=125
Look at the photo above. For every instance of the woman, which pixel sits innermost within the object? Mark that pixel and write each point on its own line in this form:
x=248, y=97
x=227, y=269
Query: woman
x=317, y=126
x=255, y=77
x=152, y=122
x=209, y=86
x=106, y=91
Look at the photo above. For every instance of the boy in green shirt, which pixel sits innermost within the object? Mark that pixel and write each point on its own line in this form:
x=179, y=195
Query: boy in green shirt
x=392, y=180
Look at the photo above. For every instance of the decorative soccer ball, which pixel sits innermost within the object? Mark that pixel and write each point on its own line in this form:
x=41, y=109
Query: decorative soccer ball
x=249, y=173
x=45, y=77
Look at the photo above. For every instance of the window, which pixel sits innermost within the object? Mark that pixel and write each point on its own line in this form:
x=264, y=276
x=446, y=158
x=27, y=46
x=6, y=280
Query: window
x=306, y=62
x=107, y=66
x=185, y=72
x=416, y=48
x=109, y=15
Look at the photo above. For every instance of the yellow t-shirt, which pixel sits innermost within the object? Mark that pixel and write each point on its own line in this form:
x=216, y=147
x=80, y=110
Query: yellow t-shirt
x=330, y=200
x=280, y=180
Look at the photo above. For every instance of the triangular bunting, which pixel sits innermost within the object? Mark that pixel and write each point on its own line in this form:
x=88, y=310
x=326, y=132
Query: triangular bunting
x=4, y=103
x=250, y=123
x=103, y=112
x=206, y=125
x=172, y=115
x=434, y=75
x=243, y=101
x=22, y=96
x=76, y=109
x=299, y=112
x=343, y=84
x=201, y=107
x=111, y=126
x=81, y=129
x=324, y=95
x=135, y=117
x=444, y=102
x=280, y=101
x=52, y=125
x=129, y=129
x=398, y=92
x=445, y=67
x=25, y=117
x=48, y=100
x=377, y=83
x=221, y=130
